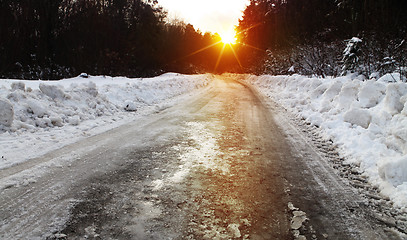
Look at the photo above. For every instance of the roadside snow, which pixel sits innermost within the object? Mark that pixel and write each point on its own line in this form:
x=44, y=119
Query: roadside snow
x=39, y=116
x=367, y=120
x=6, y=112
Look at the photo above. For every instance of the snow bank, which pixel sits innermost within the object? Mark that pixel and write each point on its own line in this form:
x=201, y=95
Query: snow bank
x=38, y=116
x=367, y=120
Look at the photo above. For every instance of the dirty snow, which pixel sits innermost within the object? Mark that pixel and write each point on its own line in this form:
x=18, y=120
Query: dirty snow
x=40, y=116
x=366, y=119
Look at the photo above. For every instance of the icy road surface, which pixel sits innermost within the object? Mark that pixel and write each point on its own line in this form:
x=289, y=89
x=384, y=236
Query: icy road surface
x=222, y=165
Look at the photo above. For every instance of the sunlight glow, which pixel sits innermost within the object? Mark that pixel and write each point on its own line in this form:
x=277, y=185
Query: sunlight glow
x=215, y=16
x=220, y=56
x=228, y=37
x=206, y=15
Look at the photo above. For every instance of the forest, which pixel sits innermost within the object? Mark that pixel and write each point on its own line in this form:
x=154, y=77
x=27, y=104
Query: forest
x=314, y=37
x=53, y=39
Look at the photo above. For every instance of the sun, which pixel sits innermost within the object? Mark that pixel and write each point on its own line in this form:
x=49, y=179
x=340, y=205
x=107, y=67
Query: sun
x=228, y=37
x=228, y=40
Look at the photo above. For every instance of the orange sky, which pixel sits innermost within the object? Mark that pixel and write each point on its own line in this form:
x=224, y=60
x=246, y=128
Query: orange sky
x=207, y=15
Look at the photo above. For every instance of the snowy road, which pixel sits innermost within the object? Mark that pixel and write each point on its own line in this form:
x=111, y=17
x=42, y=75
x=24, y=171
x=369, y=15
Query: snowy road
x=222, y=165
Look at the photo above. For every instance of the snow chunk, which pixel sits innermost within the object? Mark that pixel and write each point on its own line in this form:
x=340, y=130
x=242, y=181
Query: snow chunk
x=52, y=91
x=75, y=120
x=328, y=96
x=56, y=121
x=6, y=112
x=371, y=94
x=333, y=90
x=130, y=106
x=84, y=75
x=17, y=86
x=357, y=116
x=298, y=219
x=317, y=92
x=393, y=102
x=395, y=171
x=348, y=94
x=36, y=108
x=234, y=230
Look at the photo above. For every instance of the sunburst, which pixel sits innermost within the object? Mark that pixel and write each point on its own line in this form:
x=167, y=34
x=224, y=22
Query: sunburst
x=228, y=38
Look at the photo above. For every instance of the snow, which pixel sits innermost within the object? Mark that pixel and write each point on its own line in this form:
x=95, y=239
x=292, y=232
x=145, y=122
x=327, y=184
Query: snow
x=393, y=102
x=391, y=78
x=351, y=46
x=366, y=120
x=40, y=116
x=351, y=54
x=6, y=112
x=358, y=116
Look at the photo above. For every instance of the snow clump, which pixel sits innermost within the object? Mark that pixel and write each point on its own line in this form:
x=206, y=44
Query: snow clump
x=130, y=106
x=360, y=117
x=52, y=91
x=17, y=86
x=6, y=113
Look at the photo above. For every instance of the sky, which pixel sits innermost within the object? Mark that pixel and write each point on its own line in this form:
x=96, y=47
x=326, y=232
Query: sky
x=207, y=15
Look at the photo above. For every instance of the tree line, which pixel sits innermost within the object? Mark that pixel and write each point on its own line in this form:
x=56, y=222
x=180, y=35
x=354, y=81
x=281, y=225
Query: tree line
x=311, y=35
x=51, y=39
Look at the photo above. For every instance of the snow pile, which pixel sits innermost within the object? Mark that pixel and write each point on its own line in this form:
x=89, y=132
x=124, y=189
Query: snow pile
x=6, y=112
x=367, y=120
x=71, y=101
x=38, y=116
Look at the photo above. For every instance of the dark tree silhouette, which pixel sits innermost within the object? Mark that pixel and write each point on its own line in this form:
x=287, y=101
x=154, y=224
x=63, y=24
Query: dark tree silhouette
x=306, y=32
x=60, y=38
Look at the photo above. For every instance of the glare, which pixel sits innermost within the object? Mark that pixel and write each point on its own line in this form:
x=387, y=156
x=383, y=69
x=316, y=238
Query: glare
x=207, y=15
x=228, y=37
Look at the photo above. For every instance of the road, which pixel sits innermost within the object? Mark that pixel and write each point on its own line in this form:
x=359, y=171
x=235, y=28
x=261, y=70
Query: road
x=224, y=164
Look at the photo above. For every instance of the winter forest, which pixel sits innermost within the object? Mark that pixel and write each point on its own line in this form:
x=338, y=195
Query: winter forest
x=120, y=119
x=53, y=39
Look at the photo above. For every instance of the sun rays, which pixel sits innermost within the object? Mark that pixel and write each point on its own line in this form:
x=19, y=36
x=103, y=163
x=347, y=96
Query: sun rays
x=228, y=39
